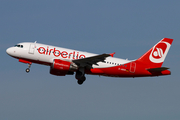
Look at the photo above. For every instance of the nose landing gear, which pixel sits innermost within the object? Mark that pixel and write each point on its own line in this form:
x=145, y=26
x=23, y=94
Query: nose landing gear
x=26, y=62
x=28, y=69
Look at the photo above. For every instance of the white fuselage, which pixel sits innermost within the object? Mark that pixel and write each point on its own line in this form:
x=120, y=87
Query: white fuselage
x=45, y=54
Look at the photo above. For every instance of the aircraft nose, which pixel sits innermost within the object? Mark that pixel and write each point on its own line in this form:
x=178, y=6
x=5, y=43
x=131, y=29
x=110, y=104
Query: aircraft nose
x=9, y=51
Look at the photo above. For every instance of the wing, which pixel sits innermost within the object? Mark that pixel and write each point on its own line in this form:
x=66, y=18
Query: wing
x=89, y=61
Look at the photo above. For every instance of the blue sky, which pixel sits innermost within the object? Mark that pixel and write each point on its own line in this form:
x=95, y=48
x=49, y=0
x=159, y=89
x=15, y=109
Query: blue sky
x=129, y=28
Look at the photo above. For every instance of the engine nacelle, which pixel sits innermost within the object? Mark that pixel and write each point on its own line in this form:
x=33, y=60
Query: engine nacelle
x=61, y=67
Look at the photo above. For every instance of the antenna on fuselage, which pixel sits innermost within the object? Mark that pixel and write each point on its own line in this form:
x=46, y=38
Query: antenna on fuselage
x=35, y=41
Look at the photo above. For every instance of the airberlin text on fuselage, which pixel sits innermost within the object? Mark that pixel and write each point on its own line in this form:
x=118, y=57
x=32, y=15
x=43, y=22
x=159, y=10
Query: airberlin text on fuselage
x=57, y=53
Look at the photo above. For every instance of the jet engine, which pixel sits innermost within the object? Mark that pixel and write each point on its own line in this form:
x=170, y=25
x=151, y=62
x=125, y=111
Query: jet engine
x=62, y=68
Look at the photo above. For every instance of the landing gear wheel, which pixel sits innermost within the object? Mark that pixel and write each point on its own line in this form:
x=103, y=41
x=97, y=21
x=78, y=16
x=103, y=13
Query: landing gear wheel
x=27, y=70
x=80, y=75
x=80, y=81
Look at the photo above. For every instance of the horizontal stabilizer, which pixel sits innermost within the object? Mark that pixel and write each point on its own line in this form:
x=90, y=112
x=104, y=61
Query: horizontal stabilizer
x=157, y=69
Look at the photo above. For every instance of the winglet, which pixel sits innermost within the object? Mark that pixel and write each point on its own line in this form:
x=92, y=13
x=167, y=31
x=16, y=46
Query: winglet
x=112, y=54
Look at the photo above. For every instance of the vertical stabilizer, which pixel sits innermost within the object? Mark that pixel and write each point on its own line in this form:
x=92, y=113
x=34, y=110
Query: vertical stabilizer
x=157, y=54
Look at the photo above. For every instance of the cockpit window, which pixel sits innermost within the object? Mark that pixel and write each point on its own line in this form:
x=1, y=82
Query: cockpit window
x=20, y=46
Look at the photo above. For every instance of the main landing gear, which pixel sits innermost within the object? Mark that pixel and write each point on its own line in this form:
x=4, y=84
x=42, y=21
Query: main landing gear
x=28, y=69
x=80, y=81
x=80, y=76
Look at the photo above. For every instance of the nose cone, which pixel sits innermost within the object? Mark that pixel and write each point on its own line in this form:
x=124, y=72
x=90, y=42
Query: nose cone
x=9, y=51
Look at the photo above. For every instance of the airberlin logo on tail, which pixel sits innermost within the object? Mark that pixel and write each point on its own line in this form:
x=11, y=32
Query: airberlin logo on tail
x=159, y=52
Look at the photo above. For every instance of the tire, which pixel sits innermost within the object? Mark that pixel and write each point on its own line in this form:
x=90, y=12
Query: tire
x=27, y=70
x=80, y=82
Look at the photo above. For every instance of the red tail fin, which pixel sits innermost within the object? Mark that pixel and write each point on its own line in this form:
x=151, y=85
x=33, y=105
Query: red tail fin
x=157, y=54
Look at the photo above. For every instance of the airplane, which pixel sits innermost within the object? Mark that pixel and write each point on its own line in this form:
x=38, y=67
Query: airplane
x=63, y=61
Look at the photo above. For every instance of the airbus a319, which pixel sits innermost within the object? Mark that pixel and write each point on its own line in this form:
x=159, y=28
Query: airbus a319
x=63, y=61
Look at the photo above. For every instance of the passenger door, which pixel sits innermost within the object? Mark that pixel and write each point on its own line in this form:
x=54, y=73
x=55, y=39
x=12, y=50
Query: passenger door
x=31, y=48
x=132, y=67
